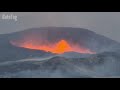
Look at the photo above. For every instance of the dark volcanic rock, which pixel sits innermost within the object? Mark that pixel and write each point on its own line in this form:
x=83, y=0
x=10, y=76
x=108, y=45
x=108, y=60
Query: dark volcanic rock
x=105, y=63
x=80, y=36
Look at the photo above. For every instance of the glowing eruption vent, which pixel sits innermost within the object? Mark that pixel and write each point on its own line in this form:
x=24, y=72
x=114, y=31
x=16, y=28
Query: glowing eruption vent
x=58, y=48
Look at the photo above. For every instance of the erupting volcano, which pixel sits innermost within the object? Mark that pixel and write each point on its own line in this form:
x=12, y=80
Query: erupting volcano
x=60, y=47
x=58, y=52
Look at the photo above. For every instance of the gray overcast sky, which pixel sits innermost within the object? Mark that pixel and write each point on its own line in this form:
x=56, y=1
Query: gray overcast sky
x=105, y=23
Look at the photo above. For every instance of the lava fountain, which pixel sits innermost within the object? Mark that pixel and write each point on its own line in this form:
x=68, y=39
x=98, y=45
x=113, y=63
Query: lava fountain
x=59, y=47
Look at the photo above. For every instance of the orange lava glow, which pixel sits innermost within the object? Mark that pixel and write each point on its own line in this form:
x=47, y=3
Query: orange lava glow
x=58, y=48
